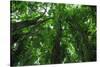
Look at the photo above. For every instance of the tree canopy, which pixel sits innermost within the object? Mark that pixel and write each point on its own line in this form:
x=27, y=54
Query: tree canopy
x=52, y=33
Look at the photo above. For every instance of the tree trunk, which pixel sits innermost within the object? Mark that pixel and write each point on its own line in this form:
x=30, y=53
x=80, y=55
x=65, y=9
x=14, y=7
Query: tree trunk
x=56, y=51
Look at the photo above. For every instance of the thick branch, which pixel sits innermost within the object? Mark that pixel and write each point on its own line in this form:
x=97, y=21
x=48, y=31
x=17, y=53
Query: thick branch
x=23, y=24
x=19, y=25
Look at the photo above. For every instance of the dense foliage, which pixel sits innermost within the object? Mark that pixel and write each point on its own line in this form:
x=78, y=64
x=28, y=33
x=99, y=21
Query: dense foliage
x=51, y=33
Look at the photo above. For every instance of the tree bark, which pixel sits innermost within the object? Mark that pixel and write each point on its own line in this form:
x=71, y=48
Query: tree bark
x=56, y=51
